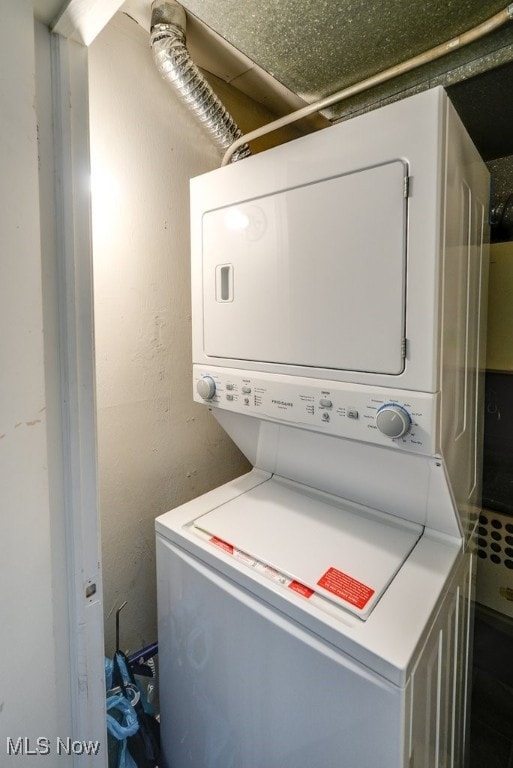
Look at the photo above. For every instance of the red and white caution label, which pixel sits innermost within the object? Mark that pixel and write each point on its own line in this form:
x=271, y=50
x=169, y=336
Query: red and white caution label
x=263, y=568
x=301, y=589
x=341, y=585
x=222, y=544
x=346, y=588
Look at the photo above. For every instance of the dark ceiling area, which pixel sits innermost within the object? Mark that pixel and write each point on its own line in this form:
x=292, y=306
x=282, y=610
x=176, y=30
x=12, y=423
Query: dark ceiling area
x=485, y=105
x=316, y=49
x=312, y=50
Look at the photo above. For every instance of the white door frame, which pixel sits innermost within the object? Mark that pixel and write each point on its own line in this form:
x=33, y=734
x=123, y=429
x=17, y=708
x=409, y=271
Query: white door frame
x=74, y=30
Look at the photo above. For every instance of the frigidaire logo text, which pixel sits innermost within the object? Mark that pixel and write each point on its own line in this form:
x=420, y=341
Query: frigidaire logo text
x=282, y=402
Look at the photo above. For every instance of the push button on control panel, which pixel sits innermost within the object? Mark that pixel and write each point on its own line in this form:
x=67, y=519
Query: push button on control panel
x=246, y=390
x=324, y=402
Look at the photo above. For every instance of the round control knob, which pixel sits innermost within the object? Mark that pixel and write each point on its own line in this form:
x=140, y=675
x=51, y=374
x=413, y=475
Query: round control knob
x=393, y=420
x=206, y=387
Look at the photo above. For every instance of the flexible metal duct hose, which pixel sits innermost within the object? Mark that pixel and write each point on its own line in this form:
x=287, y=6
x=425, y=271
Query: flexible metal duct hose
x=176, y=66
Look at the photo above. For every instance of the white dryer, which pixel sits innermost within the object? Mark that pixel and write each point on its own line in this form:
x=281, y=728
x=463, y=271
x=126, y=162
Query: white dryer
x=317, y=611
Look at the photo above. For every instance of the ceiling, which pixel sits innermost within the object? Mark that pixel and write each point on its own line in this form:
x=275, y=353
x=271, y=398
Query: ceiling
x=47, y=10
x=317, y=48
x=287, y=52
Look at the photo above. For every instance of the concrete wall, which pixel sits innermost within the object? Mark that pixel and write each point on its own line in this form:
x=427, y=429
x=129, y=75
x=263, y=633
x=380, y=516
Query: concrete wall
x=157, y=448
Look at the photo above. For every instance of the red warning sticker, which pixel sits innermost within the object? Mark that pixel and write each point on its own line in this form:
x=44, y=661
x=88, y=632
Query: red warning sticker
x=221, y=544
x=301, y=588
x=345, y=587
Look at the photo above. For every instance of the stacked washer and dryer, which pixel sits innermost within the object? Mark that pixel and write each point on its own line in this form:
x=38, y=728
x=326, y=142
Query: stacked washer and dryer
x=316, y=612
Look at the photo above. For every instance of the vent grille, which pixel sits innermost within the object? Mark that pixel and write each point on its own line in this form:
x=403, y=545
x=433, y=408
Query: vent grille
x=495, y=562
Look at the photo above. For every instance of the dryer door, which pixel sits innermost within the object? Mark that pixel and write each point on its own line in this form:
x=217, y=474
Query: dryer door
x=311, y=276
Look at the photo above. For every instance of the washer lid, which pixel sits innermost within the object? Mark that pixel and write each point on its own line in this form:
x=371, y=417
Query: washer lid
x=317, y=543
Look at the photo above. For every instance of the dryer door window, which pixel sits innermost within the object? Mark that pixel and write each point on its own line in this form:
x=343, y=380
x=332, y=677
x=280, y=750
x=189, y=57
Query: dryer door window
x=311, y=276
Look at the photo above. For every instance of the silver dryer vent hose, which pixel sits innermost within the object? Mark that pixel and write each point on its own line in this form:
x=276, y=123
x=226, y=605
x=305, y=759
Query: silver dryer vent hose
x=176, y=66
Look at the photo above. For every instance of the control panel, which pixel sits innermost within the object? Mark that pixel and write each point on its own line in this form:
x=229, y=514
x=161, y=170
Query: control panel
x=379, y=415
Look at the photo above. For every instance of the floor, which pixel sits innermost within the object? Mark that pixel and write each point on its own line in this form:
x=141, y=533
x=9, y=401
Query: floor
x=491, y=735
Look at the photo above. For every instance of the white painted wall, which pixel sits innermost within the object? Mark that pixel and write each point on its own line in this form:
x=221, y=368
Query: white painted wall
x=157, y=448
x=35, y=685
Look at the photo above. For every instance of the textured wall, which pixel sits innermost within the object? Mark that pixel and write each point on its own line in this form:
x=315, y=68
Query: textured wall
x=157, y=448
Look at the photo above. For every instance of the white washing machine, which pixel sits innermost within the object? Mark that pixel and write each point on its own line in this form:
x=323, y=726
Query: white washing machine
x=316, y=612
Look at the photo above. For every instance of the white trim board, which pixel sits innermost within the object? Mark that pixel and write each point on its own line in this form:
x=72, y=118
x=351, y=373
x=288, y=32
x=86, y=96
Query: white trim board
x=73, y=235
x=83, y=20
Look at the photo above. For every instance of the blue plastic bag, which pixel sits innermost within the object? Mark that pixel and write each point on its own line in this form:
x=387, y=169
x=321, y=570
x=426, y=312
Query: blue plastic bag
x=122, y=729
x=121, y=725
